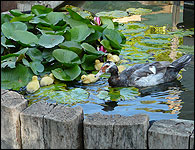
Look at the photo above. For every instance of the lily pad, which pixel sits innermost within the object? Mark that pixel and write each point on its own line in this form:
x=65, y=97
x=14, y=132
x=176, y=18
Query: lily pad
x=88, y=62
x=16, y=12
x=49, y=41
x=40, y=9
x=15, y=78
x=138, y=11
x=113, y=14
x=66, y=57
x=24, y=17
x=90, y=49
x=72, y=45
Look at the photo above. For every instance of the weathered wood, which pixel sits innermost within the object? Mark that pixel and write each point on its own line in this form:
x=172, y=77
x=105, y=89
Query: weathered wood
x=32, y=125
x=170, y=134
x=12, y=104
x=192, y=141
x=63, y=128
x=115, y=131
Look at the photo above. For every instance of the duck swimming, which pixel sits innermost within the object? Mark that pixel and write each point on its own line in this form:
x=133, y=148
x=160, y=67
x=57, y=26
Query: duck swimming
x=89, y=78
x=33, y=85
x=47, y=80
x=143, y=75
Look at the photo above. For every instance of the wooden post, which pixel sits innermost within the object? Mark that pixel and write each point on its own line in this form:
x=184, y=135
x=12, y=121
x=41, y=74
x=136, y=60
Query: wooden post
x=63, y=128
x=115, y=131
x=170, y=134
x=12, y=104
x=192, y=141
x=48, y=126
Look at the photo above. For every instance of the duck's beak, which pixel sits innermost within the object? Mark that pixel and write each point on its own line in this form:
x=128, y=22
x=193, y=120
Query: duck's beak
x=99, y=74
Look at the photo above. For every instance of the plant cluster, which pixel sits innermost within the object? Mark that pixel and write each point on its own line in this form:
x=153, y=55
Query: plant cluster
x=65, y=44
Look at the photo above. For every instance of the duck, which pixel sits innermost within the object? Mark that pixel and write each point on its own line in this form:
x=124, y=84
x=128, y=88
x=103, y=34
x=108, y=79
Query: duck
x=47, y=80
x=89, y=78
x=113, y=58
x=98, y=64
x=121, y=68
x=144, y=75
x=33, y=85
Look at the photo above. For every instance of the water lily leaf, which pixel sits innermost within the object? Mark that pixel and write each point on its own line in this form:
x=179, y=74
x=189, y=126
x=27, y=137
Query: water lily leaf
x=16, y=12
x=47, y=55
x=3, y=42
x=94, y=36
x=67, y=74
x=36, y=67
x=113, y=14
x=9, y=62
x=77, y=17
x=90, y=49
x=106, y=44
x=49, y=41
x=66, y=57
x=24, y=17
x=72, y=45
x=80, y=33
x=34, y=54
x=129, y=93
x=103, y=95
x=54, y=17
x=5, y=18
x=40, y=9
x=15, y=78
x=25, y=37
x=38, y=20
x=8, y=28
x=72, y=22
x=138, y=11
x=97, y=28
x=108, y=22
x=88, y=62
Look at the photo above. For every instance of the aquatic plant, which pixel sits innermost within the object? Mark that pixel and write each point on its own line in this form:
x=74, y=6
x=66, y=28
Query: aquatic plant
x=46, y=41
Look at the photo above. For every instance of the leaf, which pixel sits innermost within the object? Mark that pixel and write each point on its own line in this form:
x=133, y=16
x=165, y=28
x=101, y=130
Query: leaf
x=24, y=17
x=40, y=9
x=36, y=67
x=66, y=57
x=68, y=74
x=103, y=95
x=34, y=54
x=15, y=12
x=106, y=44
x=49, y=41
x=54, y=17
x=112, y=14
x=5, y=18
x=90, y=49
x=80, y=33
x=72, y=22
x=108, y=22
x=3, y=42
x=15, y=78
x=73, y=46
x=77, y=17
x=88, y=62
x=8, y=28
x=9, y=62
x=94, y=36
x=25, y=37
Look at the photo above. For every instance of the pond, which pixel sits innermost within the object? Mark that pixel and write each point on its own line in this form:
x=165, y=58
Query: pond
x=148, y=40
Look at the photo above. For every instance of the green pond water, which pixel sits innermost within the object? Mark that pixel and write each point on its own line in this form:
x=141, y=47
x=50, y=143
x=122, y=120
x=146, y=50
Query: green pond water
x=147, y=41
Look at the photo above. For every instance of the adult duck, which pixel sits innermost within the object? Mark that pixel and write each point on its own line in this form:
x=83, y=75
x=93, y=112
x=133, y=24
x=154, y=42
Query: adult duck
x=143, y=75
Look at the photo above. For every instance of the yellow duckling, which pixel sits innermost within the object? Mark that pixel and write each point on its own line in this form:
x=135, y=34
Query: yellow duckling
x=89, y=78
x=33, y=85
x=47, y=80
x=98, y=64
x=121, y=68
x=113, y=58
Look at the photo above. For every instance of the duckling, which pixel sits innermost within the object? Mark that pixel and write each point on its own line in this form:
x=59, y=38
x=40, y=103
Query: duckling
x=113, y=58
x=47, y=80
x=89, y=78
x=121, y=68
x=33, y=85
x=98, y=64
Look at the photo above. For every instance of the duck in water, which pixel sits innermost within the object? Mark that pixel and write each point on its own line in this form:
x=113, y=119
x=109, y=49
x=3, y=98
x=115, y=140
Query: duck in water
x=143, y=75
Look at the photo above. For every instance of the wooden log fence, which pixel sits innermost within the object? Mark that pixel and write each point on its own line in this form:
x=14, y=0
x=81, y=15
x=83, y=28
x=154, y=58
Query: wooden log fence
x=55, y=126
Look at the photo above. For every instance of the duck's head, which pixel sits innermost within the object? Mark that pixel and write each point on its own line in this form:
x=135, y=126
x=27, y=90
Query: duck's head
x=107, y=67
x=109, y=56
x=97, y=61
x=34, y=78
x=83, y=77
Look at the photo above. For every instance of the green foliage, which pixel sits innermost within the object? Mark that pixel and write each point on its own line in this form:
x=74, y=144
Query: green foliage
x=67, y=40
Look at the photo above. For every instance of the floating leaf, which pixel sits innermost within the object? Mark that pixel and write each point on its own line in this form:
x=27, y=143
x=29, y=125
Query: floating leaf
x=8, y=28
x=113, y=14
x=5, y=18
x=80, y=33
x=15, y=78
x=72, y=45
x=9, y=62
x=67, y=74
x=138, y=11
x=88, y=62
x=49, y=41
x=54, y=17
x=66, y=57
x=90, y=49
x=24, y=17
x=36, y=67
x=40, y=9
x=103, y=95
x=34, y=54
x=15, y=12
x=107, y=22
x=25, y=37
x=3, y=42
